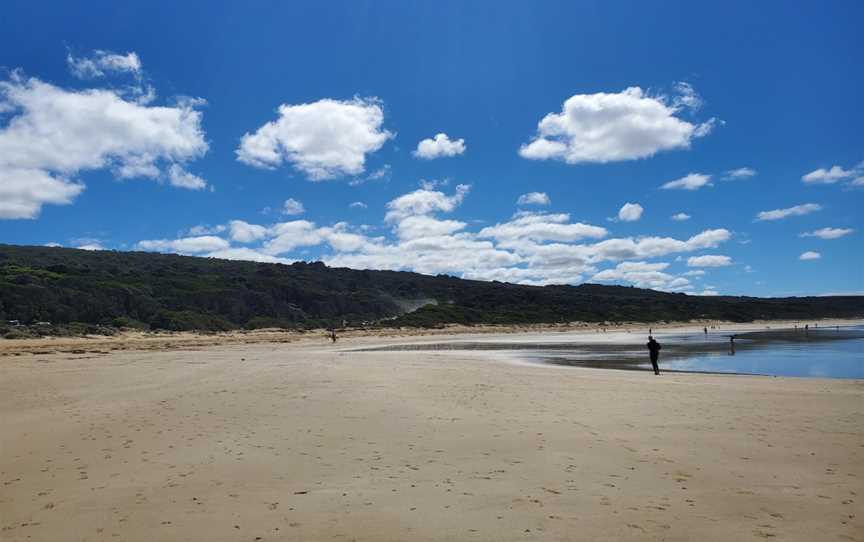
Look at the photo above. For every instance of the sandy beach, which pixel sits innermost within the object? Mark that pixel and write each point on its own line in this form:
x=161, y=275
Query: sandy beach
x=292, y=438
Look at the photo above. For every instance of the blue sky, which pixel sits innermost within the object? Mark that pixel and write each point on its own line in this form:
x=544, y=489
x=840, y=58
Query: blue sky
x=150, y=126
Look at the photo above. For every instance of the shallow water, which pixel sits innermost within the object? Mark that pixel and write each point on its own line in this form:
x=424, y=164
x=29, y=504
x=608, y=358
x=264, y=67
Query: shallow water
x=825, y=353
x=842, y=358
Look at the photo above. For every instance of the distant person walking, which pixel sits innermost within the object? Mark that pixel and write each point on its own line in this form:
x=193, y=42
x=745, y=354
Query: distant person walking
x=654, y=353
x=333, y=335
x=705, y=329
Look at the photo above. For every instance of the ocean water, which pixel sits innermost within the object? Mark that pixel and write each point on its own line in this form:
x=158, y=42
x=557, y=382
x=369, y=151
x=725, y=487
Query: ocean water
x=842, y=358
x=822, y=353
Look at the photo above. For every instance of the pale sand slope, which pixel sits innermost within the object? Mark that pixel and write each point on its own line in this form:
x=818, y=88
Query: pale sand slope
x=303, y=442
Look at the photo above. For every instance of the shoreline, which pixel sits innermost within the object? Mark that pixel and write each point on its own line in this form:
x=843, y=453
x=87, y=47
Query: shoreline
x=149, y=341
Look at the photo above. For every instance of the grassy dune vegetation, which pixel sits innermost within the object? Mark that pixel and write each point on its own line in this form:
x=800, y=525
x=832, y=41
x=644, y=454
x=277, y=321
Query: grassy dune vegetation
x=103, y=290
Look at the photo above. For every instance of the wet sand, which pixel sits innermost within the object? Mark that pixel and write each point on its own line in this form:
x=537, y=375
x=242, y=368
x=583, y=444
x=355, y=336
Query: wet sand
x=305, y=440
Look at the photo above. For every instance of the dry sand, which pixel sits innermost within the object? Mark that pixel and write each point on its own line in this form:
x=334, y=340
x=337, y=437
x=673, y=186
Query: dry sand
x=304, y=441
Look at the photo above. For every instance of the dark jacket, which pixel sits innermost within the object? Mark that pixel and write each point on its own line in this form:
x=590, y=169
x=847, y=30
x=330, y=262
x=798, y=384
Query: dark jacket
x=653, y=347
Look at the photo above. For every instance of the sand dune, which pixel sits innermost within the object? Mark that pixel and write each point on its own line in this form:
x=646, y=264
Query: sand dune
x=303, y=440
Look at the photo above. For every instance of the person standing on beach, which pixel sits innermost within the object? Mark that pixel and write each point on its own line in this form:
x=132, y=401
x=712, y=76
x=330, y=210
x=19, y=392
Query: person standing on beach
x=654, y=353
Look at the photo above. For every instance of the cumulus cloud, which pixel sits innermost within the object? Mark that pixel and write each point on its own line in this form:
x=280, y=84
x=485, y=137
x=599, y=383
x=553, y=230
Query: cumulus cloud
x=179, y=177
x=680, y=217
x=630, y=212
x=205, y=229
x=440, y=146
x=529, y=248
x=810, y=255
x=709, y=260
x=424, y=202
x=828, y=233
x=691, y=181
x=797, y=210
x=292, y=207
x=53, y=135
x=539, y=227
x=24, y=191
x=609, y=127
x=417, y=227
x=245, y=232
x=101, y=63
x=644, y=275
x=740, y=173
x=186, y=245
x=534, y=198
x=629, y=248
x=828, y=176
x=323, y=140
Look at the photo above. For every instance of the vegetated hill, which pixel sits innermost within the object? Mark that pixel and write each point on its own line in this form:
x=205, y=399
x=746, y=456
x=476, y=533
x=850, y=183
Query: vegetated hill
x=164, y=291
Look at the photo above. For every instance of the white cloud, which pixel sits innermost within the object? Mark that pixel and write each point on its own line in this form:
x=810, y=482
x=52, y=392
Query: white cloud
x=381, y=174
x=691, y=181
x=827, y=176
x=290, y=235
x=53, y=135
x=687, y=97
x=828, y=233
x=798, y=210
x=423, y=202
x=432, y=184
x=204, y=229
x=101, y=63
x=709, y=292
x=243, y=232
x=530, y=248
x=440, y=146
x=293, y=207
x=694, y=273
x=810, y=255
x=680, y=217
x=358, y=205
x=652, y=247
x=711, y=260
x=740, y=173
x=24, y=191
x=179, y=177
x=630, y=212
x=186, y=245
x=608, y=127
x=539, y=227
x=534, y=198
x=644, y=275
x=416, y=227
x=324, y=139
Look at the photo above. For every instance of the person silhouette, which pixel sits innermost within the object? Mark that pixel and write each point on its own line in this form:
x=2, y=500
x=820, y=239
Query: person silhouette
x=654, y=353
